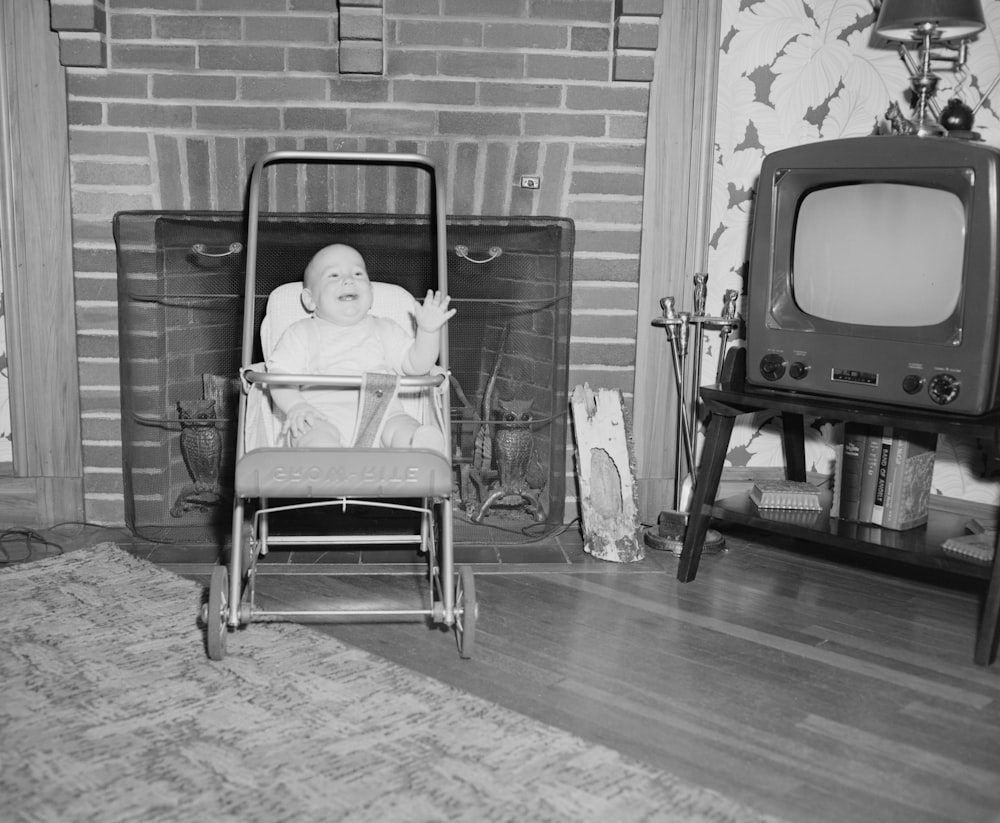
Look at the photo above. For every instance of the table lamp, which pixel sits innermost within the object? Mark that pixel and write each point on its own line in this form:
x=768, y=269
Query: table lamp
x=930, y=24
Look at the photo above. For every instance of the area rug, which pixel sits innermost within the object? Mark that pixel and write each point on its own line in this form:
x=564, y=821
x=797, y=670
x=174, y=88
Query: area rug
x=111, y=711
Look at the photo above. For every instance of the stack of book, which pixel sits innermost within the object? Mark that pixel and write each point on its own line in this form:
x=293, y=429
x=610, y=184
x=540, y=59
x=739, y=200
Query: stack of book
x=883, y=476
x=979, y=545
x=785, y=494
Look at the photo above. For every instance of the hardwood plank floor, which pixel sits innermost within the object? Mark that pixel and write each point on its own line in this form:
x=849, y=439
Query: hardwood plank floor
x=816, y=689
x=812, y=689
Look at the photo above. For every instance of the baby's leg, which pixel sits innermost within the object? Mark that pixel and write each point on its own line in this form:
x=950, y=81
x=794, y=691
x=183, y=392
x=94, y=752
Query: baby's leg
x=322, y=434
x=402, y=431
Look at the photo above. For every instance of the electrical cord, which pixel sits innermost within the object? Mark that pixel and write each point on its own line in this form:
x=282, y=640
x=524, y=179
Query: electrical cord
x=30, y=539
x=526, y=532
x=37, y=545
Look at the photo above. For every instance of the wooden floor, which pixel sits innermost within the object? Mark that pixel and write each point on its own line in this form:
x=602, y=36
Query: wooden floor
x=812, y=689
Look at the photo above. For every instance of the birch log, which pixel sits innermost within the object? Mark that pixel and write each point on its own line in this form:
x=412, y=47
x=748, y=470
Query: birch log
x=606, y=470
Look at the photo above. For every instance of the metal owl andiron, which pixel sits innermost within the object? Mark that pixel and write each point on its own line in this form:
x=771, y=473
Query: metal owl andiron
x=513, y=450
x=201, y=448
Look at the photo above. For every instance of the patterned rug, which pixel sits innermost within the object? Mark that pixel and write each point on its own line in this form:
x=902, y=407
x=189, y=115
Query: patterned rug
x=111, y=712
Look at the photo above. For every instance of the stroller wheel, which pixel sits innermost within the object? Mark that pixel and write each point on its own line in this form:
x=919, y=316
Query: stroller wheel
x=217, y=613
x=466, y=611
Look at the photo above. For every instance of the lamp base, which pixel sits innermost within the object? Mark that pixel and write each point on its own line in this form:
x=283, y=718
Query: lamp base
x=929, y=128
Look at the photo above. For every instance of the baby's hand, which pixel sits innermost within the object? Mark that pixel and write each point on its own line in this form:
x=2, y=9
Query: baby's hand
x=300, y=418
x=434, y=312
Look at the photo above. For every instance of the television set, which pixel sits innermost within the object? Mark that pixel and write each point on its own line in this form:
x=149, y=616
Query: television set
x=874, y=272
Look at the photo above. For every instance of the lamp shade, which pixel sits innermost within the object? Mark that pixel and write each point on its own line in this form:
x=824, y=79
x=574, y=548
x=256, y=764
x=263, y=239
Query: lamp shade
x=955, y=19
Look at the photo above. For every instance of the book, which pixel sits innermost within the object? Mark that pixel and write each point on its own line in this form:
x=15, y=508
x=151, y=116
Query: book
x=855, y=436
x=881, y=476
x=978, y=525
x=980, y=546
x=785, y=494
x=836, y=478
x=806, y=518
x=869, y=473
x=908, y=480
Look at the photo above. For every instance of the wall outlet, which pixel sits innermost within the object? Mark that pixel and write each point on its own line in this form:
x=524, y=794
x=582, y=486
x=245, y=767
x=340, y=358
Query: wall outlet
x=531, y=181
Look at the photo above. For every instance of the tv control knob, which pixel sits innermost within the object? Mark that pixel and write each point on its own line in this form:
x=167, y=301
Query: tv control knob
x=798, y=370
x=943, y=388
x=772, y=366
x=913, y=383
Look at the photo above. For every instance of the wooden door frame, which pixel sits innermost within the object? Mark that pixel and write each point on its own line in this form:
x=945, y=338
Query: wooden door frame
x=37, y=266
x=680, y=147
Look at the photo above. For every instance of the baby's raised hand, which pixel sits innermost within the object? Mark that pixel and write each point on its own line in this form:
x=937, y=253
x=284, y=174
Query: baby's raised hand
x=433, y=313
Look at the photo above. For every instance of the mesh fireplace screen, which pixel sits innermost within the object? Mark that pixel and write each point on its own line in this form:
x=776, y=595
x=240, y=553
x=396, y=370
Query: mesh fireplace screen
x=180, y=293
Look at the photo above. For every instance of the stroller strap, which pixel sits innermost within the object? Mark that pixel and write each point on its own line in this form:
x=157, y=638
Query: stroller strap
x=377, y=393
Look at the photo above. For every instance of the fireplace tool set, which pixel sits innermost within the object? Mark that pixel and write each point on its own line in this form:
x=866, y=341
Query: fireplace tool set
x=686, y=359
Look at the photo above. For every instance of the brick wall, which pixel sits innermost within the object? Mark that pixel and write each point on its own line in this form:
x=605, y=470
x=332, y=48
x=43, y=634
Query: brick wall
x=171, y=101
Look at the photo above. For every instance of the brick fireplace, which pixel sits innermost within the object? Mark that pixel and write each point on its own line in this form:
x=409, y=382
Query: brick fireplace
x=171, y=101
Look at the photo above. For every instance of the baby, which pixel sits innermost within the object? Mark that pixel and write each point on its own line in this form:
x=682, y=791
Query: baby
x=342, y=337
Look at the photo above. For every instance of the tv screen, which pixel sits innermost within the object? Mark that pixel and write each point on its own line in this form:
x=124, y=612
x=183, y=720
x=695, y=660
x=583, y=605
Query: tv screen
x=858, y=256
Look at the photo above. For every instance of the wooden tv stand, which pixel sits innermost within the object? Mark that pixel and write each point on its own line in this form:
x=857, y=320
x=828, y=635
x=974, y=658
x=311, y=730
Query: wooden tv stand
x=920, y=546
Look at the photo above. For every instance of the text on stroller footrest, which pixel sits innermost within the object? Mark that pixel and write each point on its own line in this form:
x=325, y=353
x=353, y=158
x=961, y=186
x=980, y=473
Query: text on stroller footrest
x=282, y=473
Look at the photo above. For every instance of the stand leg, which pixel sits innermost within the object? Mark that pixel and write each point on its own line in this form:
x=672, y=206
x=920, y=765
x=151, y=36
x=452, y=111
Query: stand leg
x=989, y=625
x=720, y=427
x=794, y=439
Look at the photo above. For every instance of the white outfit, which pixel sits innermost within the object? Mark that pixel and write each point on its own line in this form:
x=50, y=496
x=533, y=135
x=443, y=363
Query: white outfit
x=317, y=346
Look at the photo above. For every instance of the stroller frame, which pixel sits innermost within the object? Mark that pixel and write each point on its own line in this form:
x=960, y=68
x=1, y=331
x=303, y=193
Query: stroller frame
x=263, y=473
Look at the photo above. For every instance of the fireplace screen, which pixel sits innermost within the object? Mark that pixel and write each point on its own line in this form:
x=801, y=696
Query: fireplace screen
x=180, y=282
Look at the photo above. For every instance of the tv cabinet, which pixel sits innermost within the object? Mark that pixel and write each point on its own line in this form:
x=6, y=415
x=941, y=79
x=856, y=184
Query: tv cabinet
x=920, y=546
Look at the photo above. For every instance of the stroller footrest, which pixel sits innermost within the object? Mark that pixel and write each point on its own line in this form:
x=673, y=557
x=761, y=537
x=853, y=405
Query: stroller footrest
x=324, y=473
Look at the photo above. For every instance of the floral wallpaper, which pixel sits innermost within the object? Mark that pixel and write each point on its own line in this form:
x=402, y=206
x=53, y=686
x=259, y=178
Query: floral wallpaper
x=797, y=71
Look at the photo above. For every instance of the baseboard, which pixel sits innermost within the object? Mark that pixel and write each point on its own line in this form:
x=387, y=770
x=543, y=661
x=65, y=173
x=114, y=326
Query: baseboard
x=40, y=502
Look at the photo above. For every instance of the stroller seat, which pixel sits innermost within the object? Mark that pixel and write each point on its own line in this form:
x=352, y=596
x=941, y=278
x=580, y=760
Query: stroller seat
x=269, y=469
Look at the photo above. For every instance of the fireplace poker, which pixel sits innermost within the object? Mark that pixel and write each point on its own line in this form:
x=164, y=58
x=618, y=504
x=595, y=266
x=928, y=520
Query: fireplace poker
x=700, y=294
x=727, y=327
x=683, y=346
x=676, y=326
x=694, y=378
x=699, y=319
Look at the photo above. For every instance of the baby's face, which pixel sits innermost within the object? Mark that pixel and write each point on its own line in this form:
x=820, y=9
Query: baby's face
x=337, y=287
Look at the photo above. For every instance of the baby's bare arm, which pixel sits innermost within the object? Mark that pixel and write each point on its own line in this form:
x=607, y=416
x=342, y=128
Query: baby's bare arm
x=431, y=316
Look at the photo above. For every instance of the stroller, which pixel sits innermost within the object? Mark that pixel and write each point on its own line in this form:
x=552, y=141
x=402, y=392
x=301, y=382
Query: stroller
x=333, y=490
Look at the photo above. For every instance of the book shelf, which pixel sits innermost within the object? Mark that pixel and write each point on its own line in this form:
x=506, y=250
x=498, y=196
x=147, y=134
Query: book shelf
x=920, y=546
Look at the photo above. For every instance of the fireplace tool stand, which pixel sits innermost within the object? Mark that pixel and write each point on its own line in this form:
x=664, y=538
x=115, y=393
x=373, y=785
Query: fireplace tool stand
x=668, y=534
